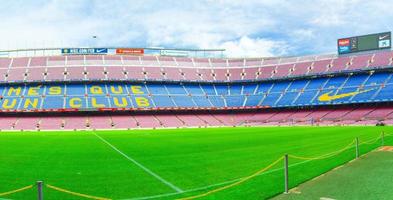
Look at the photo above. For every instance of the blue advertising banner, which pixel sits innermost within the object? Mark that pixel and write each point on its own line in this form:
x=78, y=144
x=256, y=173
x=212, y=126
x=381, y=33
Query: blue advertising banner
x=84, y=51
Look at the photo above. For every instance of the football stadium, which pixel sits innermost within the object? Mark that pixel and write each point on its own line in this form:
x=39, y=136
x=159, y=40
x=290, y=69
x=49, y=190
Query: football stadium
x=141, y=123
x=94, y=116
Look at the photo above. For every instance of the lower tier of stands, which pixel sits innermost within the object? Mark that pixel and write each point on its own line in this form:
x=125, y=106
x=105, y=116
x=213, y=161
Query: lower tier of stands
x=321, y=116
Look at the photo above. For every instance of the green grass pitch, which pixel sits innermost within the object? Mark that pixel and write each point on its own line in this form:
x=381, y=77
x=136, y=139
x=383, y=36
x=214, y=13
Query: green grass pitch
x=171, y=163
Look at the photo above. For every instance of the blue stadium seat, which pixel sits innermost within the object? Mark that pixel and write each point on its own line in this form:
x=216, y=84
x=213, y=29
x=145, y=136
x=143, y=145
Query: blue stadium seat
x=376, y=79
x=305, y=98
x=263, y=88
x=344, y=91
x=55, y=89
x=10, y=103
x=75, y=102
x=209, y=89
x=162, y=101
x=194, y=89
x=253, y=100
x=297, y=85
x=117, y=89
x=175, y=89
x=222, y=89
x=335, y=82
x=98, y=102
x=331, y=91
x=35, y=90
x=385, y=94
x=279, y=86
x=235, y=100
x=96, y=89
x=249, y=89
x=183, y=101
x=270, y=99
x=315, y=84
x=53, y=102
x=389, y=79
x=2, y=90
x=14, y=91
x=217, y=101
x=366, y=96
x=30, y=103
x=235, y=89
x=201, y=101
x=355, y=81
x=156, y=89
x=75, y=90
x=120, y=101
x=144, y=101
x=287, y=99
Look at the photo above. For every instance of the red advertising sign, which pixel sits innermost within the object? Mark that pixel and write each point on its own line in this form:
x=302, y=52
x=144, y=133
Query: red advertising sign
x=130, y=51
x=343, y=42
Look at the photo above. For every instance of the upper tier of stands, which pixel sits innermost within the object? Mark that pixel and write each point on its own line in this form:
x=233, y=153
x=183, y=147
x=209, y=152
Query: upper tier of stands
x=126, y=67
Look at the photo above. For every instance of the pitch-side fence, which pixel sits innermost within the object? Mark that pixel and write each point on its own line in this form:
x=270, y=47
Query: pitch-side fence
x=39, y=186
x=286, y=157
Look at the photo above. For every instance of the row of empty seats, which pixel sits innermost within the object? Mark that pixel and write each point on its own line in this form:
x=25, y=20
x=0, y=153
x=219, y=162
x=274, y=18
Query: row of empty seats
x=112, y=67
x=361, y=116
x=358, y=88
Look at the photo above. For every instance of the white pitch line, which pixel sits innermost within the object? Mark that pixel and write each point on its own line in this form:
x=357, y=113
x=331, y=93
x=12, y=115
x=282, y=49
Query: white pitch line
x=212, y=185
x=177, y=189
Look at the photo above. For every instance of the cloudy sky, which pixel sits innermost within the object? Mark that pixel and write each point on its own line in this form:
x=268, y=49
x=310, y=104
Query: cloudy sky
x=242, y=27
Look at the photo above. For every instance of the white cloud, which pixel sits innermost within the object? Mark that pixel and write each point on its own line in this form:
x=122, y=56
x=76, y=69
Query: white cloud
x=304, y=33
x=248, y=47
x=200, y=27
x=334, y=13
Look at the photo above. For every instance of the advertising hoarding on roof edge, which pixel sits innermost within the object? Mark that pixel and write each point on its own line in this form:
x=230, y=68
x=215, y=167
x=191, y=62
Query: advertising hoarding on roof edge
x=132, y=51
x=84, y=51
x=177, y=53
x=369, y=42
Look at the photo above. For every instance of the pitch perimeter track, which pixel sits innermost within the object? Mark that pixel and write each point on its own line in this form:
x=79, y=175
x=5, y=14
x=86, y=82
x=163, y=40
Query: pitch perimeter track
x=368, y=178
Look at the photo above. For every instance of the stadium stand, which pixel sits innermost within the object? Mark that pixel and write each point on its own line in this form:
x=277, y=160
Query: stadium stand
x=363, y=115
x=125, y=92
x=349, y=88
x=121, y=67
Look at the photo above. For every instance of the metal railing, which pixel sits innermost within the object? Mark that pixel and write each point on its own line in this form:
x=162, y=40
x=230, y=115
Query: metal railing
x=59, y=51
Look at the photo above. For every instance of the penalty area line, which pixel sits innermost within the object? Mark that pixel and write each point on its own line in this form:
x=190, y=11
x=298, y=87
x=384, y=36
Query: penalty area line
x=147, y=170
